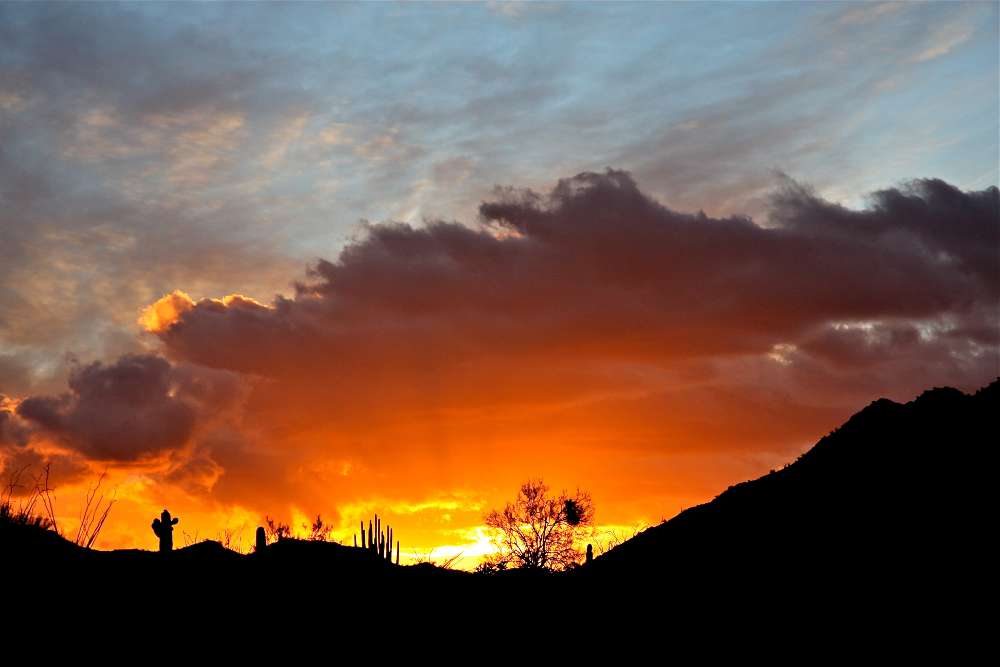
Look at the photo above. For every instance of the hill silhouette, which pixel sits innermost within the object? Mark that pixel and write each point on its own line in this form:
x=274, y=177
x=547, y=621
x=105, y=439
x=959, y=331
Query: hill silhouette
x=895, y=497
x=898, y=491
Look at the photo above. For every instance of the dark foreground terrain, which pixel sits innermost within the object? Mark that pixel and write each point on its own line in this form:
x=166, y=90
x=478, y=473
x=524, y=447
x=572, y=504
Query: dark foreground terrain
x=894, y=506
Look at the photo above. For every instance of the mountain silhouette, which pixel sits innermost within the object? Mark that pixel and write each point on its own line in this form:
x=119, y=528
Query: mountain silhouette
x=900, y=494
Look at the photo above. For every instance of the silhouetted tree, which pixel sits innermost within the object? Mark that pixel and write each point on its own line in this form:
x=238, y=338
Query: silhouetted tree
x=539, y=531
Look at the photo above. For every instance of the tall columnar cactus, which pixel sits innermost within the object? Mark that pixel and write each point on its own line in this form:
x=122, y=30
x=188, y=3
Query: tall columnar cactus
x=261, y=539
x=164, y=529
x=590, y=552
x=377, y=540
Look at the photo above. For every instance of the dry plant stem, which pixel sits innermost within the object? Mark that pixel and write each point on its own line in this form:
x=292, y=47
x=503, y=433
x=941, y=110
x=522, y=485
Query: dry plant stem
x=93, y=515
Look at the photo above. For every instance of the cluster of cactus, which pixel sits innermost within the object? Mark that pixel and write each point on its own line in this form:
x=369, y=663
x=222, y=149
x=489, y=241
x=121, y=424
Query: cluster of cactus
x=376, y=540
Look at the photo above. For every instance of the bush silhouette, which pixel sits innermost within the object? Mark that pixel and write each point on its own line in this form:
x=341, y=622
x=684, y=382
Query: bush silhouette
x=539, y=531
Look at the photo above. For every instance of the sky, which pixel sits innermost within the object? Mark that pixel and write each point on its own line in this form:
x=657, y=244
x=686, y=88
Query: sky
x=278, y=259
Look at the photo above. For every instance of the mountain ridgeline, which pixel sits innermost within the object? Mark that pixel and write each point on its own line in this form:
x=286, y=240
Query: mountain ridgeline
x=898, y=490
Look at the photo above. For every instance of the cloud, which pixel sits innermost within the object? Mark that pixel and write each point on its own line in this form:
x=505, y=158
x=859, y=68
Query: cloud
x=283, y=139
x=943, y=41
x=870, y=12
x=165, y=311
x=136, y=407
x=126, y=147
x=597, y=268
x=516, y=9
x=13, y=430
x=24, y=466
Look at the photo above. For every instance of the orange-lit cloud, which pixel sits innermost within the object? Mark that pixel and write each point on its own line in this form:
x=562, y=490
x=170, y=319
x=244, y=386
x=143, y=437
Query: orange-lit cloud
x=167, y=310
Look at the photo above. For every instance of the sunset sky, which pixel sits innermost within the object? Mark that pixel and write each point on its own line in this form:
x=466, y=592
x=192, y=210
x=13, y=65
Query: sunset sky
x=287, y=259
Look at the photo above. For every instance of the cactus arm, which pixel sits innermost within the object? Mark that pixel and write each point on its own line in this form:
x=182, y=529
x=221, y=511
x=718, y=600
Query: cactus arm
x=173, y=522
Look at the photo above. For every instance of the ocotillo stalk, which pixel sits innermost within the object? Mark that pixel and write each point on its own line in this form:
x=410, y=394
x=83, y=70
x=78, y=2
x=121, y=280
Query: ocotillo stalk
x=397, y=552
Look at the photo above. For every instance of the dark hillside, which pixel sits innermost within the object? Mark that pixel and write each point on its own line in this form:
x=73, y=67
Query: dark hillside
x=897, y=490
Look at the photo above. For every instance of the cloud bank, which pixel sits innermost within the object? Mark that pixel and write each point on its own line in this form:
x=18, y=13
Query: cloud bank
x=595, y=272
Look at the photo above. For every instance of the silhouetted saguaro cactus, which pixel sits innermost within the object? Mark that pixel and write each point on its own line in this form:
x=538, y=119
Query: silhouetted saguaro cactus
x=163, y=528
x=377, y=539
x=590, y=552
x=261, y=541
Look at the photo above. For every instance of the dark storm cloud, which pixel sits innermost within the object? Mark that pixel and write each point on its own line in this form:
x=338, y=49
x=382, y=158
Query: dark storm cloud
x=13, y=430
x=138, y=406
x=597, y=267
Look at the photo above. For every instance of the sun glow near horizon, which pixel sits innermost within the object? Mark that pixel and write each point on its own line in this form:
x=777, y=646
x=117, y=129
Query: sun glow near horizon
x=427, y=531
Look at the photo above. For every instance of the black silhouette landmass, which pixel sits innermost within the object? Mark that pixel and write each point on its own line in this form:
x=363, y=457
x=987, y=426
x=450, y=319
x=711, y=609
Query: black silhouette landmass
x=897, y=490
x=896, y=503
